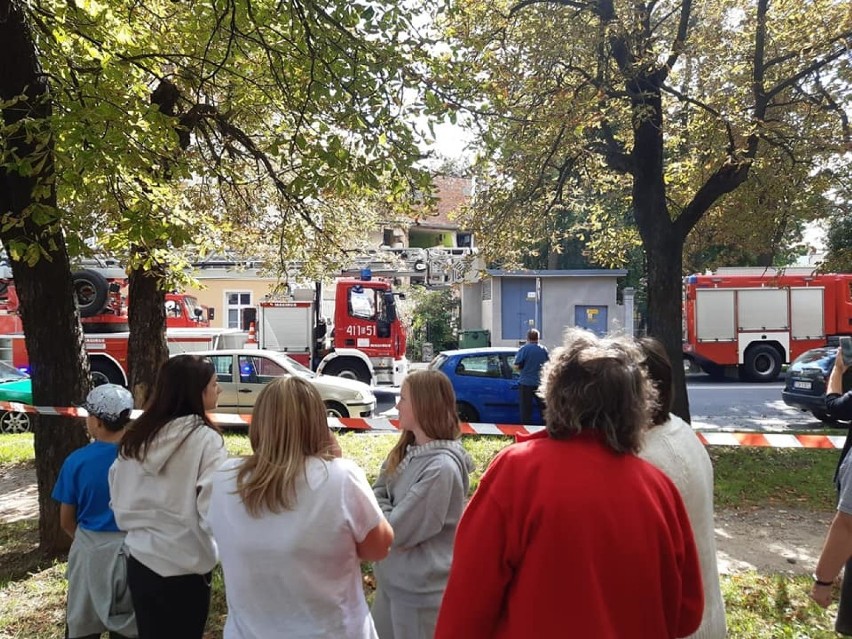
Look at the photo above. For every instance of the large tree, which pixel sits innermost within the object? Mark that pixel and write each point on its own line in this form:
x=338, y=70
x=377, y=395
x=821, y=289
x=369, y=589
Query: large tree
x=32, y=235
x=153, y=129
x=657, y=110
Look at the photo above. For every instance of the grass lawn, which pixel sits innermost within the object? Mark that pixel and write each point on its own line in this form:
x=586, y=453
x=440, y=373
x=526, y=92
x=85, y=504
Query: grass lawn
x=758, y=606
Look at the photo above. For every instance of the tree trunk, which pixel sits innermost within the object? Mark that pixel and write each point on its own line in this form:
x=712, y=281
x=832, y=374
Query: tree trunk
x=661, y=239
x=54, y=337
x=665, y=308
x=147, y=349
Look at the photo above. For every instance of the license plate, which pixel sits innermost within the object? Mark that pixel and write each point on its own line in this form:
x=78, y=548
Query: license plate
x=802, y=385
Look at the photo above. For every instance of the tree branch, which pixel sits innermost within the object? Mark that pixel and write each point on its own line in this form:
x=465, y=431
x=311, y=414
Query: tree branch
x=702, y=105
x=724, y=180
x=565, y=3
x=816, y=65
x=680, y=38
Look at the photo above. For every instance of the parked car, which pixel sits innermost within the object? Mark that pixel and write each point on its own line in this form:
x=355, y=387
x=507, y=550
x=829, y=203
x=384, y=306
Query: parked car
x=15, y=386
x=807, y=378
x=244, y=372
x=485, y=383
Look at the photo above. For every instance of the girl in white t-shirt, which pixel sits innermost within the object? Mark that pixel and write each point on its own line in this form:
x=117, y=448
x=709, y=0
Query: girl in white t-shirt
x=293, y=521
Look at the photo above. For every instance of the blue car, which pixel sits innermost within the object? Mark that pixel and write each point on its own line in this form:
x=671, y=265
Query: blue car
x=806, y=381
x=485, y=383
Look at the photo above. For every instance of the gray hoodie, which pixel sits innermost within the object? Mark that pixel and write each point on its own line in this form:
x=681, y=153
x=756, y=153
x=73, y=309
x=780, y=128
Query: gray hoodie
x=162, y=500
x=423, y=501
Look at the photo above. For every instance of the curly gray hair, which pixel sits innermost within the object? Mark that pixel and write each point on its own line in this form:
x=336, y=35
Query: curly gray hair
x=594, y=383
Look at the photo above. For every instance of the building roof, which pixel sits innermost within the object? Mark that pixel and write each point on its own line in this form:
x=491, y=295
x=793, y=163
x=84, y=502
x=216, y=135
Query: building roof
x=451, y=193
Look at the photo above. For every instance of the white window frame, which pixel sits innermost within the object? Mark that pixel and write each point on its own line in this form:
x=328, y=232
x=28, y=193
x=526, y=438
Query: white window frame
x=238, y=307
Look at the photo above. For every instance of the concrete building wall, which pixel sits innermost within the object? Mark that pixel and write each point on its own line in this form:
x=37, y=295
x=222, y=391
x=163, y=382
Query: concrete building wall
x=471, y=306
x=560, y=295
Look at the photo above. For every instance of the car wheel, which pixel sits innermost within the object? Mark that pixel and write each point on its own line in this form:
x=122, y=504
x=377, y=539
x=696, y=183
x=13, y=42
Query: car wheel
x=348, y=370
x=762, y=363
x=823, y=417
x=336, y=409
x=467, y=413
x=14, y=422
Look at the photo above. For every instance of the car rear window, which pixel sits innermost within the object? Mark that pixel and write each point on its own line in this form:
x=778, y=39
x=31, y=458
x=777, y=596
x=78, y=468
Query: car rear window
x=438, y=361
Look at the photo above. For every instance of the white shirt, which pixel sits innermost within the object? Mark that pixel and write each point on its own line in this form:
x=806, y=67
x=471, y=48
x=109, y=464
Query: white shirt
x=296, y=573
x=674, y=448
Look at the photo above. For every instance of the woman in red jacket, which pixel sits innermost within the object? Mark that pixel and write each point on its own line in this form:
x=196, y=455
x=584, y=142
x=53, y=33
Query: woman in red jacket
x=569, y=533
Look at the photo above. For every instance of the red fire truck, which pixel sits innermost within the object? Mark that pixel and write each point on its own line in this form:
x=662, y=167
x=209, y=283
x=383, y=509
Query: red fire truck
x=759, y=319
x=365, y=342
x=102, y=300
x=108, y=351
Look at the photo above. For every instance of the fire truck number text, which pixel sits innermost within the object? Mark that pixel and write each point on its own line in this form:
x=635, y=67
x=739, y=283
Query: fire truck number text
x=357, y=330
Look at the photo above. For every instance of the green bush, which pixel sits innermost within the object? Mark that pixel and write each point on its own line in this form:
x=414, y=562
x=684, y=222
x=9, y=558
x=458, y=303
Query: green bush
x=435, y=319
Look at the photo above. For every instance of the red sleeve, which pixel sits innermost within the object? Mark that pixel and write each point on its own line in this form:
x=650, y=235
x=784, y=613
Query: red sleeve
x=481, y=569
x=692, y=590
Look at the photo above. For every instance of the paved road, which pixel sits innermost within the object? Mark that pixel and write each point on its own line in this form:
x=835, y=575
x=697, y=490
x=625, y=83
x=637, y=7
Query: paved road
x=740, y=406
x=715, y=405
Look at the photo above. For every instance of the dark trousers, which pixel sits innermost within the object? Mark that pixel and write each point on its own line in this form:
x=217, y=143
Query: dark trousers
x=527, y=394
x=843, y=624
x=168, y=607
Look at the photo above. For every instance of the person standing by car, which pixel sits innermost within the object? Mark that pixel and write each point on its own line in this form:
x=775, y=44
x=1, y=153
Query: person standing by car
x=670, y=444
x=98, y=597
x=529, y=360
x=837, y=549
x=421, y=488
x=292, y=522
x=160, y=490
x=569, y=533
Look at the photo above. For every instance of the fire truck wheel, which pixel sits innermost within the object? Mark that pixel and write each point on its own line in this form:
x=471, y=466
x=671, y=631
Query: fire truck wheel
x=762, y=363
x=105, y=373
x=91, y=290
x=335, y=409
x=348, y=370
x=14, y=422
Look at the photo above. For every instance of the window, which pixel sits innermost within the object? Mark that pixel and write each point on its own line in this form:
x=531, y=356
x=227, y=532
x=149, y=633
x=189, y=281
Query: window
x=255, y=369
x=173, y=308
x=235, y=302
x=222, y=364
x=480, y=366
x=362, y=303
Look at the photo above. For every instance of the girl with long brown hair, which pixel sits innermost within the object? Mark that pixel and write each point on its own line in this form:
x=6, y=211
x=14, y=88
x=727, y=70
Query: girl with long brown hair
x=422, y=489
x=293, y=521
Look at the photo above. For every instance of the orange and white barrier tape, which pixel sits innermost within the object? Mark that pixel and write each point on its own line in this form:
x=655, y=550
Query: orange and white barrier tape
x=382, y=425
x=772, y=440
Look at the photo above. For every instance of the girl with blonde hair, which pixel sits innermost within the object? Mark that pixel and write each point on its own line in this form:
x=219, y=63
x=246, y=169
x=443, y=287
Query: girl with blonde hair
x=292, y=522
x=422, y=489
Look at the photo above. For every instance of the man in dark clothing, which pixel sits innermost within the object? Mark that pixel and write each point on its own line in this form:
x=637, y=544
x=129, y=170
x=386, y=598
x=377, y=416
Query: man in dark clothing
x=530, y=359
x=839, y=406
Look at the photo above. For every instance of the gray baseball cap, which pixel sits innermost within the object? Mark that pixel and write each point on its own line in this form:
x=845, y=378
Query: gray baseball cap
x=108, y=402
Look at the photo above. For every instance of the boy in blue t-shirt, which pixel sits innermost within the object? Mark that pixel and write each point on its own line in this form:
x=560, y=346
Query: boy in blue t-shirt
x=98, y=598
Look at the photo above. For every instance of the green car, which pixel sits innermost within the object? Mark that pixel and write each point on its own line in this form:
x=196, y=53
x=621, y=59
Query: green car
x=15, y=386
